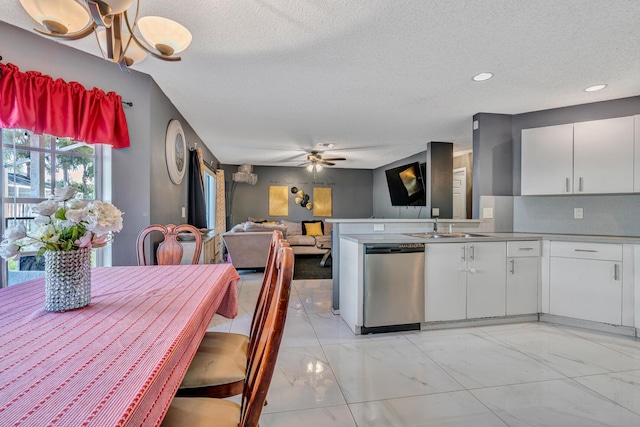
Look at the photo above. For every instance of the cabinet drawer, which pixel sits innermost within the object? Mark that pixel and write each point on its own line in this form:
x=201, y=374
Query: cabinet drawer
x=527, y=248
x=581, y=250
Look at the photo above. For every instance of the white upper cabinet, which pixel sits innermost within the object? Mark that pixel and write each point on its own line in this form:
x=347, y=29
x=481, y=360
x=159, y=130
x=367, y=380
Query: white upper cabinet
x=547, y=160
x=603, y=156
x=581, y=158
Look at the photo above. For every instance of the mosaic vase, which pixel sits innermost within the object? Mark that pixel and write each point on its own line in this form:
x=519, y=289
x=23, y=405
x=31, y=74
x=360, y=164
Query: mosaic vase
x=67, y=279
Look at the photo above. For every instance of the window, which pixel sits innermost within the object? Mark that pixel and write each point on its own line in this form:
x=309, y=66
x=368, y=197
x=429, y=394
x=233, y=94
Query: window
x=32, y=166
x=210, y=197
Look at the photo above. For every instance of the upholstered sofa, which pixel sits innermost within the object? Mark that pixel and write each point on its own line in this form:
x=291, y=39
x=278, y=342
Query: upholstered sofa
x=247, y=244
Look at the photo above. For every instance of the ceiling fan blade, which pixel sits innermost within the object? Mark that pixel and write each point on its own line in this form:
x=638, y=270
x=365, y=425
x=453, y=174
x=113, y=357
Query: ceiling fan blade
x=324, y=162
x=334, y=158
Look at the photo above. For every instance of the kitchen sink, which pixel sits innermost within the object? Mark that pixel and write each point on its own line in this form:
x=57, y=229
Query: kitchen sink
x=447, y=235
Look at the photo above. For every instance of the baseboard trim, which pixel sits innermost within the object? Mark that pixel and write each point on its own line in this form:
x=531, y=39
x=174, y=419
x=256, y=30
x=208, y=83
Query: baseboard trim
x=588, y=324
x=449, y=324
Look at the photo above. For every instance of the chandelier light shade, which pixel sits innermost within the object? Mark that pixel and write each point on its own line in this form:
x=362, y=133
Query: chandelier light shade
x=166, y=35
x=245, y=174
x=76, y=19
x=135, y=54
x=58, y=16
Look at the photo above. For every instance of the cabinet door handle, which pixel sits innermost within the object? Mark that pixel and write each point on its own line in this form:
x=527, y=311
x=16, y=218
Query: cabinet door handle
x=585, y=250
x=525, y=249
x=472, y=252
x=616, y=272
x=580, y=185
x=463, y=255
x=566, y=185
x=513, y=266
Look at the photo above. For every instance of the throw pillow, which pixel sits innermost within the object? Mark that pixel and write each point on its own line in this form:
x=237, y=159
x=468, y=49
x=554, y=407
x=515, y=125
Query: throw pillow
x=313, y=228
x=256, y=220
x=252, y=226
x=293, y=228
x=237, y=227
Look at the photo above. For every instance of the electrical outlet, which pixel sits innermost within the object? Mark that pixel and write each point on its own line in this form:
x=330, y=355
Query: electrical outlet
x=378, y=227
x=435, y=212
x=487, y=213
x=184, y=212
x=578, y=213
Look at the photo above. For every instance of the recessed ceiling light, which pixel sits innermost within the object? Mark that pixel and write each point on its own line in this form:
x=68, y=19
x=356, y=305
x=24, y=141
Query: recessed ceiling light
x=482, y=77
x=595, y=88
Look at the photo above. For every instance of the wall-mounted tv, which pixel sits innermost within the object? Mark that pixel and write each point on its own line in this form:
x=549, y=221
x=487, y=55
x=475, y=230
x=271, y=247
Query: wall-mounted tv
x=406, y=185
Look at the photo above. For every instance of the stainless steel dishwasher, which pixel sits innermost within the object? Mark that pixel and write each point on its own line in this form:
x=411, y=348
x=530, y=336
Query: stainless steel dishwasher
x=393, y=287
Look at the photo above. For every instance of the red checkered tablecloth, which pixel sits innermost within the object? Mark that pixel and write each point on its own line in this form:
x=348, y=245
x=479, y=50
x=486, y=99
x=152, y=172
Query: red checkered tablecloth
x=117, y=362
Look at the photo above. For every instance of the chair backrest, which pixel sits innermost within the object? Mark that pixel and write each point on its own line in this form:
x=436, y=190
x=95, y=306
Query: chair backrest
x=262, y=365
x=170, y=250
x=266, y=289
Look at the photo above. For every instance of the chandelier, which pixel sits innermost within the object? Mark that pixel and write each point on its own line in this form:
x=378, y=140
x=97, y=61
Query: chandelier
x=109, y=21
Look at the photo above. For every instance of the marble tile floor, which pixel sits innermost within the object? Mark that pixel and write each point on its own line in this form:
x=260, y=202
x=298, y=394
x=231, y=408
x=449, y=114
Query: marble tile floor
x=523, y=374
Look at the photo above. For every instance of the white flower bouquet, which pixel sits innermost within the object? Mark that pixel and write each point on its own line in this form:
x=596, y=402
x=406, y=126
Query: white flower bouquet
x=64, y=224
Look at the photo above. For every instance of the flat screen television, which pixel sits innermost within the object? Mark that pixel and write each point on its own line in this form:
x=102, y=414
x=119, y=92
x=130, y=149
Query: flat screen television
x=406, y=185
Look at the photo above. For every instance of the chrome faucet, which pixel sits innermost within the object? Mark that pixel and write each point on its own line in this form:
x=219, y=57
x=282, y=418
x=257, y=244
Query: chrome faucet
x=435, y=226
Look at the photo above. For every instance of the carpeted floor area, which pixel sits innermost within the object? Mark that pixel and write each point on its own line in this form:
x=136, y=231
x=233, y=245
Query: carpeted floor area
x=308, y=267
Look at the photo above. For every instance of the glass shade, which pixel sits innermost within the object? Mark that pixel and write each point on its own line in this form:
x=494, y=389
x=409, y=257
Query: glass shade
x=319, y=167
x=118, y=6
x=310, y=168
x=133, y=53
x=59, y=16
x=166, y=35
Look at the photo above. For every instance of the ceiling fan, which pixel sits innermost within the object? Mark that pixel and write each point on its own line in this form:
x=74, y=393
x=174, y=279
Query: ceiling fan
x=315, y=161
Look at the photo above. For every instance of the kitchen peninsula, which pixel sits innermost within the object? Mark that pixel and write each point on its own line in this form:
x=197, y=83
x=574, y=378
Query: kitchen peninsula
x=496, y=277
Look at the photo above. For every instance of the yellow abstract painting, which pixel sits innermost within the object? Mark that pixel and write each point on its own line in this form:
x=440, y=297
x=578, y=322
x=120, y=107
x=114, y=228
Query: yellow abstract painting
x=322, y=204
x=278, y=200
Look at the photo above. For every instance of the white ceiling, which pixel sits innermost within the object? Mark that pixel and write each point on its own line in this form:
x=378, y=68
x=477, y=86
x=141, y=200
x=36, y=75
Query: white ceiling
x=266, y=80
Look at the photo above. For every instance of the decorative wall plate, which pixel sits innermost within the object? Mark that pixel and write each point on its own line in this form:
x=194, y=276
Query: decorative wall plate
x=176, y=150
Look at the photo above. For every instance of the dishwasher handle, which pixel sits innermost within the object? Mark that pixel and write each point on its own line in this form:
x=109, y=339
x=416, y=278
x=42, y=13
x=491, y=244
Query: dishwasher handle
x=401, y=248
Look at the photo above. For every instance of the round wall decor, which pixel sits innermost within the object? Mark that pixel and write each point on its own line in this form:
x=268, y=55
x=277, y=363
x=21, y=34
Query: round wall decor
x=176, y=151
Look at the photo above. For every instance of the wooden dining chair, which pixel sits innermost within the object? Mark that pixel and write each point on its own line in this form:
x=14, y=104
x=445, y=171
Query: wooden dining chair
x=204, y=411
x=170, y=250
x=219, y=367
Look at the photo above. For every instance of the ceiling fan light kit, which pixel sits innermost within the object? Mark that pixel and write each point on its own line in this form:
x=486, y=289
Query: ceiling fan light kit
x=73, y=20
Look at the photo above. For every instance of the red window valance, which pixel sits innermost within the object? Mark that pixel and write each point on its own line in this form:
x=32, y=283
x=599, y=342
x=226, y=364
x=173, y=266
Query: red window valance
x=36, y=102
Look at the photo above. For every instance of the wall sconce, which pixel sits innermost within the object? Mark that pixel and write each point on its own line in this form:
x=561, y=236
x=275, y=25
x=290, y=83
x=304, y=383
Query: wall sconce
x=302, y=198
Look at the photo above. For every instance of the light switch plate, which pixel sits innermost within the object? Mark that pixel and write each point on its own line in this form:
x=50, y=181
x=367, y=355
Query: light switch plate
x=435, y=212
x=184, y=212
x=378, y=227
x=578, y=213
x=487, y=213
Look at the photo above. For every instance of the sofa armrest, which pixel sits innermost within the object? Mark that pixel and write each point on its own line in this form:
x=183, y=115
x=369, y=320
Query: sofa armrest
x=248, y=249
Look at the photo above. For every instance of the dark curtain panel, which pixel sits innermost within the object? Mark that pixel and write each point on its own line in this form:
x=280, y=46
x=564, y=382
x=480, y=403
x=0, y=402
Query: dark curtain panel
x=197, y=207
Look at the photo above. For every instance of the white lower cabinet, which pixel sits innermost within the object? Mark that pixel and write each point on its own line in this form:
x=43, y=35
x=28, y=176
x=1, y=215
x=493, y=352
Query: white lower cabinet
x=465, y=280
x=522, y=277
x=585, y=281
x=445, y=282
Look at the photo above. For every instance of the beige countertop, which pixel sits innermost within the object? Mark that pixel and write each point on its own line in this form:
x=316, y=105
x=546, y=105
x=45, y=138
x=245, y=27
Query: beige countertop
x=486, y=236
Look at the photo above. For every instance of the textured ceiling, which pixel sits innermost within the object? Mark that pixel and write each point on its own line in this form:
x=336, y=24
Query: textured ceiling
x=266, y=80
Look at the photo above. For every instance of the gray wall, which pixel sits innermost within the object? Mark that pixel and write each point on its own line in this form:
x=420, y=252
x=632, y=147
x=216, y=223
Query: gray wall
x=382, y=202
x=603, y=214
x=140, y=175
x=492, y=158
x=351, y=192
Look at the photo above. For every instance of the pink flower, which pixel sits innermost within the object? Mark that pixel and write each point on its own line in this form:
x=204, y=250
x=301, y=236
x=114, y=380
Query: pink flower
x=99, y=241
x=84, y=241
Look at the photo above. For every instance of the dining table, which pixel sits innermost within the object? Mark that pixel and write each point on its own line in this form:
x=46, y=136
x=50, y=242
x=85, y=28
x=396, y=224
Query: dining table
x=116, y=362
